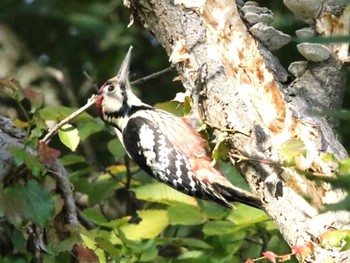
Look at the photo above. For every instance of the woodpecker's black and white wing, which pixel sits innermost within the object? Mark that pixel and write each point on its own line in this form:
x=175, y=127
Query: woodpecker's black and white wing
x=155, y=154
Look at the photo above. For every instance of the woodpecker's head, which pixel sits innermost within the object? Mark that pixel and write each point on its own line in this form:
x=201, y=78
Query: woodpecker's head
x=115, y=97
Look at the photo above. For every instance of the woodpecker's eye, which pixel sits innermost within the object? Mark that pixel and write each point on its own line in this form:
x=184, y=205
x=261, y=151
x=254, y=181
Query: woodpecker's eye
x=110, y=88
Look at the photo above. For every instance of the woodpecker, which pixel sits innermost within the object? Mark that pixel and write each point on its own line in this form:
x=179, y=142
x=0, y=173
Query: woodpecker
x=165, y=146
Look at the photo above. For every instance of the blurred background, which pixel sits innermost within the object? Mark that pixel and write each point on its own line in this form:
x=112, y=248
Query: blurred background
x=50, y=46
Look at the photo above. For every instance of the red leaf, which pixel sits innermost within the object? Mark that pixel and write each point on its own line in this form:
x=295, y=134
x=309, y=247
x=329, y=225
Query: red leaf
x=47, y=154
x=85, y=255
x=270, y=256
x=36, y=99
x=303, y=251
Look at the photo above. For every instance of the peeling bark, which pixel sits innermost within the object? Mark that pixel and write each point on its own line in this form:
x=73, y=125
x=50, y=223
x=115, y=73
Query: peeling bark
x=239, y=85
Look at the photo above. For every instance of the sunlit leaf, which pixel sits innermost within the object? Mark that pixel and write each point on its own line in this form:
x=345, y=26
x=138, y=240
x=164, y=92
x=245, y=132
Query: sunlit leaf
x=328, y=157
x=336, y=238
x=153, y=223
x=172, y=107
x=220, y=150
x=116, y=169
x=20, y=124
x=69, y=136
x=91, y=253
x=183, y=214
x=303, y=251
x=344, y=166
x=161, y=193
x=292, y=149
x=107, y=246
x=246, y=215
x=192, y=255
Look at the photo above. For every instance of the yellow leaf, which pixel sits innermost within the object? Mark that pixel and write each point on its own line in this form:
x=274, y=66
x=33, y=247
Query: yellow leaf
x=153, y=223
x=115, y=169
x=20, y=124
x=69, y=136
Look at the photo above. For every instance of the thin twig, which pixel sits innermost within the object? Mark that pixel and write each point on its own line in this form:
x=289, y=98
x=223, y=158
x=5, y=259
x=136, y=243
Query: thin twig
x=91, y=102
x=75, y=114
x=154, y=75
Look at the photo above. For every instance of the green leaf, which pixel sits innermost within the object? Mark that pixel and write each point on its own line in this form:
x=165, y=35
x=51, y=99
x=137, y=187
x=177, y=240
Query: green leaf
x=31, y=202
x=220, y=150
x=344, y=166
x=107, y=246
x=101, y=188
x=33, y=164
x=292, y=149
x=116, y=148
x=153, y=223
x=14, y=259
x=246, y=215
x=98, y=189
x=65, y=245
x=191, y=255
x=161, y=193
x=213, y=210
x=171, y=106
x=57, y=113
x=195, y=243
x=70, y=159
x=69, y=136
x=95, y=216
x=328, y=157
x=336, y=238
x=88, y=128
x=183, y=214
x=18, y=240
x=214, y=228
x=232, y=174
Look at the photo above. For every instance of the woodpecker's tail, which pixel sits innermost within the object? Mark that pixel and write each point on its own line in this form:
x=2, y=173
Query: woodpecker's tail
x=236, y=194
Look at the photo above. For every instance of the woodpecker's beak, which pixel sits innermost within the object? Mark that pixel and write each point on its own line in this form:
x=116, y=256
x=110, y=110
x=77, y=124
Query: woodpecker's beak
x=123, y=73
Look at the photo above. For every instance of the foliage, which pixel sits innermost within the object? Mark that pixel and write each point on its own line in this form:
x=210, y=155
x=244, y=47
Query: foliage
x=125, y=215
x=131, y=218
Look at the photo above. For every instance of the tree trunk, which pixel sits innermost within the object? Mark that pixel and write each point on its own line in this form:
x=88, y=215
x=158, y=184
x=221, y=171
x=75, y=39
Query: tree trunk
x=239, y=85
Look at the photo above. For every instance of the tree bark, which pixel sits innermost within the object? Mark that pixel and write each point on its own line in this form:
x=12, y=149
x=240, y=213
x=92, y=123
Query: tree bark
x=240, y=85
